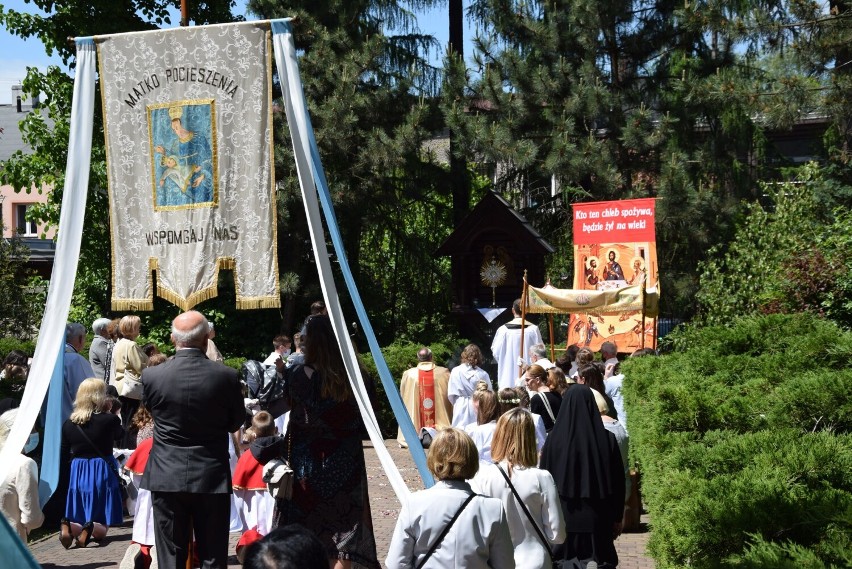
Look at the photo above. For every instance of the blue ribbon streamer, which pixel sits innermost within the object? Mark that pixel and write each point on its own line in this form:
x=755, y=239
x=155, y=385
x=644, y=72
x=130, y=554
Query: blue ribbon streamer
x=400, y=412
x=49, y=479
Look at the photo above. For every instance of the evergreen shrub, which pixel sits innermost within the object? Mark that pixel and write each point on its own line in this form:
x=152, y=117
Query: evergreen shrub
x=744, y=438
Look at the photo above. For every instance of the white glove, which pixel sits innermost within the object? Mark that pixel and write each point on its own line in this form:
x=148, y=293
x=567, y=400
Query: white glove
x=521, y=362
x=251, y=405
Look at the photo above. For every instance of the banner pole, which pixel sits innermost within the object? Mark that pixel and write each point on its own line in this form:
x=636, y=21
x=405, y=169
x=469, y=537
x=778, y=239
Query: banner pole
x=642, y=333
x=552, y=350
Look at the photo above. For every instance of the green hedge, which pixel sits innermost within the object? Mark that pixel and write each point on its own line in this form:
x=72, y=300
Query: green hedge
x=744, y=436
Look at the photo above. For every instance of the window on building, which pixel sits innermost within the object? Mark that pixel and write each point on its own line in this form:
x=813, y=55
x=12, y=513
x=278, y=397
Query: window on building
x=25, y=227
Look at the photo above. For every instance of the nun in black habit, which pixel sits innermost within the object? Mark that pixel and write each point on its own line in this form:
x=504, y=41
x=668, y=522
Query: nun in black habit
x=586, y=465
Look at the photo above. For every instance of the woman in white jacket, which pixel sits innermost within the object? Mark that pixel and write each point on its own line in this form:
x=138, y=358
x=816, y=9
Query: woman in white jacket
x=513, y=450
x=477, y=535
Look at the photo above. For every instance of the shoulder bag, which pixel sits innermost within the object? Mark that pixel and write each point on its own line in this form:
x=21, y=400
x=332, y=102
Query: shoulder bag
x=547, y=406
x=122, y=482
x=438, y=541
x=279, y=476
x=543, y=539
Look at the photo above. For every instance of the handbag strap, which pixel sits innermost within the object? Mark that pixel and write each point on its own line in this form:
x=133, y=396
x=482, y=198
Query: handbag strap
x=524, y=508
x=97, y=452
x=438, y=541
x=547, y=406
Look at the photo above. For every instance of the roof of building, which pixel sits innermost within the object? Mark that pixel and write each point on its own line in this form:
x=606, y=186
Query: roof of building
x=10, y=139
x=494, y=213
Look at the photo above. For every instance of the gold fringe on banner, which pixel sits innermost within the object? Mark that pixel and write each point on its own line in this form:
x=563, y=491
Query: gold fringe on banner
x=254, y=303
x=131, y=305
x=222, y=263
x=189, y=302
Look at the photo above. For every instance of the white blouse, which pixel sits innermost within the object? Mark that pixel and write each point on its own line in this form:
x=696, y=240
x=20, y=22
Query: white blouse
x=478, y=539
x=538, y=491
x=482, y=435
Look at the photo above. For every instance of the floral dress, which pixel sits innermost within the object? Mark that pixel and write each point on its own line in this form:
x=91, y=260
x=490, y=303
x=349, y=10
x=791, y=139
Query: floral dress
x=326, y=453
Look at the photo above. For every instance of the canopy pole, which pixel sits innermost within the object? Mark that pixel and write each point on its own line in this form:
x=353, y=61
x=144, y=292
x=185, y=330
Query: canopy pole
x=642, y=332
x=184, y=14
x=523, y=321
x=552, y=350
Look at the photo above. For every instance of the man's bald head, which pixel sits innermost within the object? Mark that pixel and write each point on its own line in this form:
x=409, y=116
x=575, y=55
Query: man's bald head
x=424, y=355
x=190, y=330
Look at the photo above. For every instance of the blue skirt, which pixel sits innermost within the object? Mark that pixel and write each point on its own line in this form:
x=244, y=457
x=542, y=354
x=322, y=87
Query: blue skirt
x=93, y=492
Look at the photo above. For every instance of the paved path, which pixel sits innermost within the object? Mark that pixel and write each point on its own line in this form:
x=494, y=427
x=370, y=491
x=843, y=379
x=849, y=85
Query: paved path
x=384, y=505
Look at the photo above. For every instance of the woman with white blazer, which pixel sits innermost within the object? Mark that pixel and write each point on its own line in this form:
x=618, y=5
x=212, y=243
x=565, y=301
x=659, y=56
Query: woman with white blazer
x=514, y=452
x=448, y=526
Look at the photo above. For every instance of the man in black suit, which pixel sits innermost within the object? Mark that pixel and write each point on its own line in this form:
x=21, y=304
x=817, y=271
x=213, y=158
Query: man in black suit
x=195, y=403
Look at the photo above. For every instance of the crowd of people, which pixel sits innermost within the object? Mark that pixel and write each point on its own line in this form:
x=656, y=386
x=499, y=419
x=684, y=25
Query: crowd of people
x=531, y=474
x=551, y=444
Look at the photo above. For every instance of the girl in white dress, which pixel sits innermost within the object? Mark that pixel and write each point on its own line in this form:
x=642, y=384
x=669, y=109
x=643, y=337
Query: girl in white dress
x=514, y=451
x=482, y=431
x=462, y=385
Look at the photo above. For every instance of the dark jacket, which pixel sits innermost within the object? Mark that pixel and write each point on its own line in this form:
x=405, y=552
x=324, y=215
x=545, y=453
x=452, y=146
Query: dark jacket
x=195, y=403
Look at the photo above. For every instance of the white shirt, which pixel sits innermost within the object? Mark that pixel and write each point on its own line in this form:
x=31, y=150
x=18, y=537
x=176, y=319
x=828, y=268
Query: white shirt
x=540, y=431
x=538, y=491
x=19, y=496
x=612, y=387
x=482, y=435
x=273, y=357
x=463, y=380
x=506, y=348
x=478, y=539
x=544, y=363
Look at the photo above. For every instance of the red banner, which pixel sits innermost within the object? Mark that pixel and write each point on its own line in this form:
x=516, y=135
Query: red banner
x=614, y=247
x=623, y=221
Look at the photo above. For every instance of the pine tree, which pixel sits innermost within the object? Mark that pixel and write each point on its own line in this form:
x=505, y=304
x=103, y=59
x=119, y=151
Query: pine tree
x=368, y=92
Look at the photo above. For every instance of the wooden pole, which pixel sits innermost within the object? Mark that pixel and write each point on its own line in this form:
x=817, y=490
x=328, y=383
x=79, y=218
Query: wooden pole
x=642, y=333
x=184, y=14
x=552, y=351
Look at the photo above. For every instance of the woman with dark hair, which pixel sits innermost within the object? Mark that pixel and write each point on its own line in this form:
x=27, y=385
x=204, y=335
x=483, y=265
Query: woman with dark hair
x=323, y=445
x=592, y=376
x=463, y=382
x=289, y=547
x=15, y=369
x=586, y=465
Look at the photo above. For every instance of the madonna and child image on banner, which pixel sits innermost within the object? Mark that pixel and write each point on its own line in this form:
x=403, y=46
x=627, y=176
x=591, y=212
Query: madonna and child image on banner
x=184, y=165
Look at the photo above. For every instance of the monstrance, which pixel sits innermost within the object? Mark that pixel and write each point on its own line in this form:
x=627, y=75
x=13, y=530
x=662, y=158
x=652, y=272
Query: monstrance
x=493, y=274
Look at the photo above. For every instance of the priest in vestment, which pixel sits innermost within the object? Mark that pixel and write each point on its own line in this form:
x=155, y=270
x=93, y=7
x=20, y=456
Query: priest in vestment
x=424, y=392
x=506, y=348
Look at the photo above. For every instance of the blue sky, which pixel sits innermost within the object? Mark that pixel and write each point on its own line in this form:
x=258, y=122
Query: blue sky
x=19, y=54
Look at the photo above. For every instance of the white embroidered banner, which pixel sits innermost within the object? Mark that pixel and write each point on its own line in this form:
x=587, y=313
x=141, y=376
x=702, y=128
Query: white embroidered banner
x=188, y=129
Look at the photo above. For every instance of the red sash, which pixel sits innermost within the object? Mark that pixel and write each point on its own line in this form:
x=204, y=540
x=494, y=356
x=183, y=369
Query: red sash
x=426, y=380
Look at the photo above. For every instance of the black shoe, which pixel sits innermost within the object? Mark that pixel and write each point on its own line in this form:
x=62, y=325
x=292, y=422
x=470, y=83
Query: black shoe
x=65, y=537
x=85, y=536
